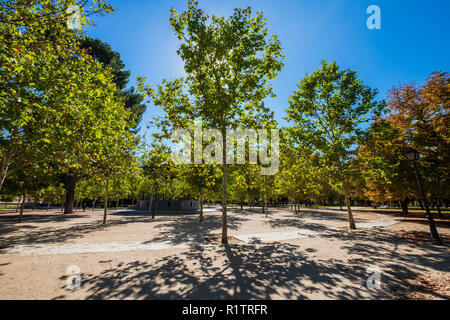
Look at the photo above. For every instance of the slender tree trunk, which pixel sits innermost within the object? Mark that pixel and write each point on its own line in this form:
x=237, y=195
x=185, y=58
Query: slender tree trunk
x=433, y=230
x=93, y=204
x=156, y=203
x=4, y=167
x=438, y=207
x=267, y=208
x=404, y=204
x=105, y=212
x=22, y=207
x=70, y=185
x=117, y=204
x=150, y=204
x=439, y=211
x=349, y=210
x=2, y=178
x=48, y=206
x=224, y=186
x=421, y=204
x=201, y=205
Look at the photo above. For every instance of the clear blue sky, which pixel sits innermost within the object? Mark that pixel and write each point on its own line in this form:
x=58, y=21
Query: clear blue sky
x=414, y=39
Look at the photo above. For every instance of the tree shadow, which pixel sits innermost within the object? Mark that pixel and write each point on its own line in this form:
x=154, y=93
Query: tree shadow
x=441, y=224
x=231, y=272
x=176, y=228
x=145, y=213
x=299, y=223
x=180, y=230
x=17, y=235
x=281, y=271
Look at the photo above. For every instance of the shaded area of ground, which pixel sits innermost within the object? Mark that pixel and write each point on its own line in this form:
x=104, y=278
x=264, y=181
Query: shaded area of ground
x=332, y=264
x=280, y=271
x=429, y=287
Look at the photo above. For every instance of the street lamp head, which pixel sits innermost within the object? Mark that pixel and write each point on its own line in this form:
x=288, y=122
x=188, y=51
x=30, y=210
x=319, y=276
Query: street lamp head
x=411, y=154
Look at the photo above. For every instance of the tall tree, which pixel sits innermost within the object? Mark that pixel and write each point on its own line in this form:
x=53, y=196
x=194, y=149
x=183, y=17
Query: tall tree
x=328, y=110
x=199, y=178
x=47, y=108
x=103, y=53
x=110, y=59
x=229, y=64
x=421, y=113
x=384, y=170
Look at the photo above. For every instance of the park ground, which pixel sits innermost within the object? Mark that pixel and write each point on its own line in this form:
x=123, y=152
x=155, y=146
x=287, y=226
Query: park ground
x=309, y=255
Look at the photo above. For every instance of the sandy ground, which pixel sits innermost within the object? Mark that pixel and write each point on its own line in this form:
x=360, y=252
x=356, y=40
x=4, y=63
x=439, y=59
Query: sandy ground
x=285, y=256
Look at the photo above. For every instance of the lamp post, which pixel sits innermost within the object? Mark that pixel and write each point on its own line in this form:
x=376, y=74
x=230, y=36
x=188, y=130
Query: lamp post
x=413, y=156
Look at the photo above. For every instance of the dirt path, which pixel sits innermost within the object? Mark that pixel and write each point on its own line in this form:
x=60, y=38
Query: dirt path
x=285, y=256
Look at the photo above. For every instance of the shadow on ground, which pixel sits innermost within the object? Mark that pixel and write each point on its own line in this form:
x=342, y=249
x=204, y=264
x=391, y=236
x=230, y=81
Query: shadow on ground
x=191, y=228
x=282, y=271
x=13, y=233
x=176, y=228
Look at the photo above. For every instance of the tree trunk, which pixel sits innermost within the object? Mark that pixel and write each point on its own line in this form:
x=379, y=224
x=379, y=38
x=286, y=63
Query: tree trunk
x=224, y=188
x=349, y=210
x=438, y=207
x=433, y=230
x=404, y=204
x=156, y=203
x=105, y=212
x=93, y=205
x=4, y=168
x=117, y=204
x=201, y=205
x=267, y=208
x=150, y=205
x=421, y=204
x=22, y=207
x=439, y=211
x=2, y=178
x=70, y=185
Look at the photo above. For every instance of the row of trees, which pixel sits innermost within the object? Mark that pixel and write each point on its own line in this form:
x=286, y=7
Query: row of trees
x=337, y=124
x=64, y=113
x=69, y=123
